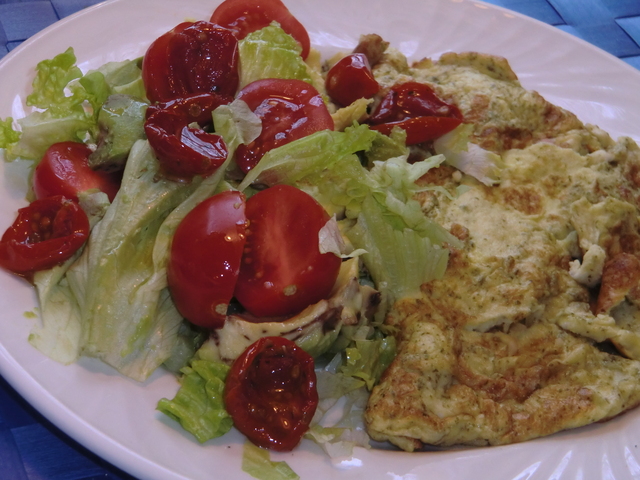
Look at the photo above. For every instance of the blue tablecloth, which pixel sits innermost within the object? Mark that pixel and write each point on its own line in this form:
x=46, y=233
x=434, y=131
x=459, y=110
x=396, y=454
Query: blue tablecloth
x=31, y=447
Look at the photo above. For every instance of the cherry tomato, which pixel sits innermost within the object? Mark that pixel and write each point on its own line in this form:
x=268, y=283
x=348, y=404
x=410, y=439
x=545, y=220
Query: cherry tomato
x=45, y=233
x=416, y=108
x=192, y=58
x=289, y=110
x=412, y=99
x=282, y=269
x=205, y=258
x=184, y=151
x=246, y=16
x=420, y=129
x=271, y=393
x=64, y=170
x=350, y=79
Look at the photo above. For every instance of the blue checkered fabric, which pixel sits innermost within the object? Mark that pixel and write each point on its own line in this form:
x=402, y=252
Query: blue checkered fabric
x=31, y=448
x=612, y=25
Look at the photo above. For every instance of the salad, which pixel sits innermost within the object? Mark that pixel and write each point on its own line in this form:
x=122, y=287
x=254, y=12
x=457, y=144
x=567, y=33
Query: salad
x=113, y=287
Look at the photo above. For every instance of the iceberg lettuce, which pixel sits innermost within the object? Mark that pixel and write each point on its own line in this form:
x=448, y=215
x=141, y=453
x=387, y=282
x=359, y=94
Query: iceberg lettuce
x=199, y=403
x=66, y=103
x=271, y=53
x=128, y=319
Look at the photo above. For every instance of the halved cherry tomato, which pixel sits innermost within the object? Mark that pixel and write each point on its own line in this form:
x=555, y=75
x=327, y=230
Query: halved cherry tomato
x=282, y=270
x=417, y=109
x=350, y=79
x=289, y=110
x=64, y=170
x=409, y=100
x=184, y=151
x=246, y=16
x=205, y=258
x=192, y=58
x=420, y=129
x=271, y=393
x=45, y=233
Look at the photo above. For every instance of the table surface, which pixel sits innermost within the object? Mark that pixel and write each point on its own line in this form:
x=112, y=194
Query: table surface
x=30, y=446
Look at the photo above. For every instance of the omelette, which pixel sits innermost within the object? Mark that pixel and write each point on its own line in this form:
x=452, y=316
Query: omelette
x=535, y=326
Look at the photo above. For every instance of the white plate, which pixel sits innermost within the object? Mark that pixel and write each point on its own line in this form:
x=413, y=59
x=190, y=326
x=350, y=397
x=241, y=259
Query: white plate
x=116, y=417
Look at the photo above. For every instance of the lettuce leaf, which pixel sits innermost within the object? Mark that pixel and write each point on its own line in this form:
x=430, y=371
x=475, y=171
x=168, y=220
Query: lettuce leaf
x=308, y=155
x=67, y=102
x=8, y=136
x=53, y=78
x=114, y=78
x=199, y=403
x=399, y=260
x=271, y=53
x=368, y=359
x=59, y=333
x=468, y=157
x=134, y=326
x=257, y=462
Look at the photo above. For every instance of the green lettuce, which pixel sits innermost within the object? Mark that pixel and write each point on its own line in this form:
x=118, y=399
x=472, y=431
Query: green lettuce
x=59, y=334
x=8, y=136
x=257, y=462
x=308, y=155
x=199, y=403
x=128, y=318
x=271, y=53
x=114, y=78
x=468, y=157
x=399, y=260
x=66, y=102
x=368, y=359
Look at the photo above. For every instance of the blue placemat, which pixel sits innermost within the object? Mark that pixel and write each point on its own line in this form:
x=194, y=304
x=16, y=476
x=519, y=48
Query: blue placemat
x=31, y=448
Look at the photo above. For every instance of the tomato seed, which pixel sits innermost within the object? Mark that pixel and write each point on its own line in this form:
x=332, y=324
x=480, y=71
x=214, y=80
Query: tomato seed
x=290, y=290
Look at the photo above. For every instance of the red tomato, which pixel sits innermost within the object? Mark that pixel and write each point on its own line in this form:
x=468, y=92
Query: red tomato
x=282, y=270
x=246, y=16
x=289, y=110
x=350, y=79
x=45, y=233
x=412, y=99
x=64, y=170
x=416, y=108
x=205, y=258
x=184, y=151
x=420, y=129
x=192, y=58
x=271, y=393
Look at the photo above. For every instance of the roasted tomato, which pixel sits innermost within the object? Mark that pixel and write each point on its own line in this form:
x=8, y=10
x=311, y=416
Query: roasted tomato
x=182, y=150
x=64, y=170
x=407, y=102
x=420, y=129
x=271, y=393
x=192, y=58
x=350, y=79
x=246, y=16
x=289, y=110
x=282, y=270
x=205, y=258
x=45, y=233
